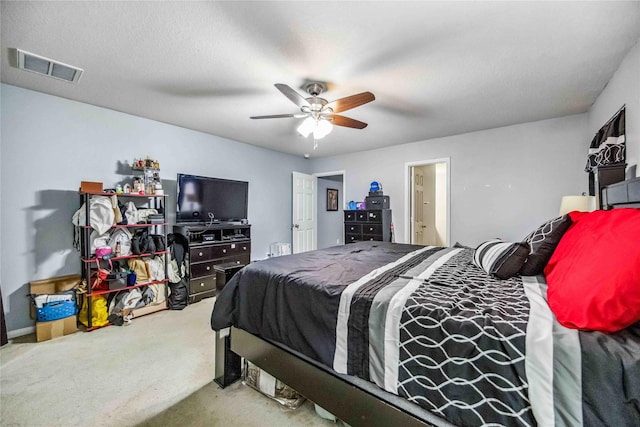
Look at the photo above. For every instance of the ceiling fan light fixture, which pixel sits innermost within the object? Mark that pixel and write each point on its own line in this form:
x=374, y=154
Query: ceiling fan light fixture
x=318, y=112
x=323, y=128
x=307, y=126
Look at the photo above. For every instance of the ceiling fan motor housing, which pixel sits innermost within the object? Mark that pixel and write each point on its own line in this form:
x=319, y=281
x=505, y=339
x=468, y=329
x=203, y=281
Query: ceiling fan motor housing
x=315, y=88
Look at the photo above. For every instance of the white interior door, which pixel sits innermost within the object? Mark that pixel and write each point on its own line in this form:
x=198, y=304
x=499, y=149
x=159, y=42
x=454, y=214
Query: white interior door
x=417, y=212
x=305, y=221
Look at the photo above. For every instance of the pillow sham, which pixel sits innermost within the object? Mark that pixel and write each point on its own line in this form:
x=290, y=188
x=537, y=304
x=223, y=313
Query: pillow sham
x=594, y=273
x=542, y=242
x=460, y=245
x=501, y=259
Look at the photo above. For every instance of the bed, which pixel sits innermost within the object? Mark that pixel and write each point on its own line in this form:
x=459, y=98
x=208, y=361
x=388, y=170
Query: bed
x=392, y=334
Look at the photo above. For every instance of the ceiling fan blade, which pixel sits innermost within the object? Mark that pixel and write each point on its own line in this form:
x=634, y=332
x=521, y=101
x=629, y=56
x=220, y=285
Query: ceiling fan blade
x=353, y=101
x=274, y=116
x=346, y=121
x=294, y=96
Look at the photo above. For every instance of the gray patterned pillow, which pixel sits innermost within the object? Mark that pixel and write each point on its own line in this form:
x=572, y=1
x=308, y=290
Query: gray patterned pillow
x=542, y=242
x=501, y=259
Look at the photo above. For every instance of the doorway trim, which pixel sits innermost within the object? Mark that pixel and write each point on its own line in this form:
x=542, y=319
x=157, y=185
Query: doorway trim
x=344, y=182
x=408, y=196
x=343, y=189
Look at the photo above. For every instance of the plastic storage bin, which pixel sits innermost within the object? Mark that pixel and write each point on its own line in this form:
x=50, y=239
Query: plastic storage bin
x=56, y=310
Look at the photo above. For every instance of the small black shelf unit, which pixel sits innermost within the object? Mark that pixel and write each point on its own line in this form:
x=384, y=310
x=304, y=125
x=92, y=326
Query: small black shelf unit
x=211, y=245
x=88, y=261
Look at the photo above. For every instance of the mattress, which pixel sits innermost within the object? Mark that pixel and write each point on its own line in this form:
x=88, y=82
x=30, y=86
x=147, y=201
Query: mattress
x=426, y=324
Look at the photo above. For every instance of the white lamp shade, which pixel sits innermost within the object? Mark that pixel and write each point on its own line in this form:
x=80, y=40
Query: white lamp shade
x=307, y=126
x=323, y=128
x=577, y=203
x=320, y=127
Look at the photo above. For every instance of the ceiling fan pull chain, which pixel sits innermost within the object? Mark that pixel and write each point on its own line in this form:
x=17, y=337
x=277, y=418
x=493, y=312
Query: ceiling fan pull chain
x=315, y=142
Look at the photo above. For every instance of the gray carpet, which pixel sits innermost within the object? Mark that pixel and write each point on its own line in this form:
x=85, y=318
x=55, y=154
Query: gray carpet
x=156, y=371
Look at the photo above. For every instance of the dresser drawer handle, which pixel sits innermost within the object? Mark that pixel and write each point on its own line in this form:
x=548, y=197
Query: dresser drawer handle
x=370, y=228
x=371, y=238
x=201, y=284
x=208, y=268
x=224, y=251
x=244, y=248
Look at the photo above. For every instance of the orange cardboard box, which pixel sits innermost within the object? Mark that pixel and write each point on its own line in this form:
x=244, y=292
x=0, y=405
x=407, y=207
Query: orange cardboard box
x=90, y=187
x=56, y=328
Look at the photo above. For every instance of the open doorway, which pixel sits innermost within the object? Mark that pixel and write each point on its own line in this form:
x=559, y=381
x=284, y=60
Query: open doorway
x=331, y=203
x=428, y=202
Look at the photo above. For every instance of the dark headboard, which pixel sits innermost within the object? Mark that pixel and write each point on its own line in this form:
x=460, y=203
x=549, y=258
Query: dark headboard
x=625, y=194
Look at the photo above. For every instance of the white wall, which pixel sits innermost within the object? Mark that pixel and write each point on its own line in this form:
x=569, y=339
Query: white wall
x=504, y=181
x=441, y=204
x=50, y=144
x=623, y=88
x=330, y=223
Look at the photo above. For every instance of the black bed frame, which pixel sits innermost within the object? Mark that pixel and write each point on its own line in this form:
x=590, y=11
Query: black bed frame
x=345, y=397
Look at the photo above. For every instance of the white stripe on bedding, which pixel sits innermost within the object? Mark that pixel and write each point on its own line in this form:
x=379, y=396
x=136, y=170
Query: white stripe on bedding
x=392, y=324
x=340, y=357
x=539, y=354
x=558, y=353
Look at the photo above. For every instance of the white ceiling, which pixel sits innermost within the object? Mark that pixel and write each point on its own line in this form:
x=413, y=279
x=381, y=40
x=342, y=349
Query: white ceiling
x=436, y=68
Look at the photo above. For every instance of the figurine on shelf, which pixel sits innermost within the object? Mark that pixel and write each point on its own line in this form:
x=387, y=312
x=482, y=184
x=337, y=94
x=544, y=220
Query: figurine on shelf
x=138, y=185
x=144, y=164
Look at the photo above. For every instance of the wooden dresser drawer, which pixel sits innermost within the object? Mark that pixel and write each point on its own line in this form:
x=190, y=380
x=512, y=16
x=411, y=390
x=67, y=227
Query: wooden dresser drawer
x=361, y=216
x=220, y=251
x=352, y=238
x=202, y=269
x=242, y=259
x=372, y=228
x=201, y=253
x=373, y=237
x=241, y=248
x=202, y=284
x=227, y=249
x=374, y=216
x=349, y=216
x=351, y=228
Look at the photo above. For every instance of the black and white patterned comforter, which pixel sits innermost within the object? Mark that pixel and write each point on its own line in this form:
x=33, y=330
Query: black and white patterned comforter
x=426, y=324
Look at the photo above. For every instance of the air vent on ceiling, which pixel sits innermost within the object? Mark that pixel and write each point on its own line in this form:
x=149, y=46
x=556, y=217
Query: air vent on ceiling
x=39, y=64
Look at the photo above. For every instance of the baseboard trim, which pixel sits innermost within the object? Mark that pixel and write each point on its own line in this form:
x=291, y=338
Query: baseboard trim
x=20, y=332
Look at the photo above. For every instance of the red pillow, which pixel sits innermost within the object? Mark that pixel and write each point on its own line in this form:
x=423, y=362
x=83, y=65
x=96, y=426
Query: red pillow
x=594, y=273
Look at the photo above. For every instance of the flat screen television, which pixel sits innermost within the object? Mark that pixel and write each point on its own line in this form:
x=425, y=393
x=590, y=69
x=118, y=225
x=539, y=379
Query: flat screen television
x=200, y=196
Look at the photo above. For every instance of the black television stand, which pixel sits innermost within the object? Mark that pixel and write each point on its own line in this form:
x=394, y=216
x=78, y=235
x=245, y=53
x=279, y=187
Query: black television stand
x=210, y=245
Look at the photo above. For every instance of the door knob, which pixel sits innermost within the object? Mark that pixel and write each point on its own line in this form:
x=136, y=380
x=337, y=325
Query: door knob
x=296, y=225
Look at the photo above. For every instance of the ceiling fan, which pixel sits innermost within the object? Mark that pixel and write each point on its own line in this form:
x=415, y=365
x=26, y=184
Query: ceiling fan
x=320, y=114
